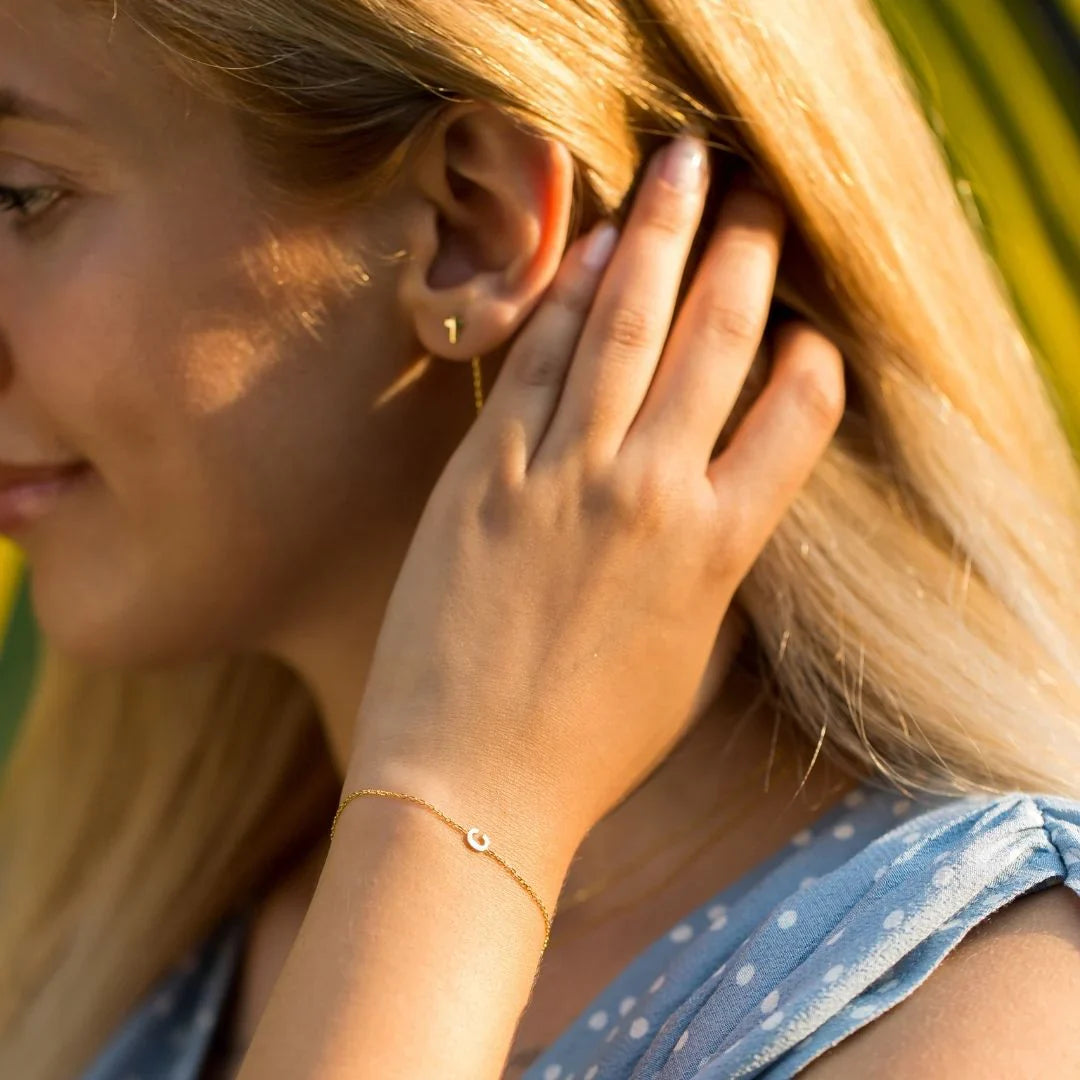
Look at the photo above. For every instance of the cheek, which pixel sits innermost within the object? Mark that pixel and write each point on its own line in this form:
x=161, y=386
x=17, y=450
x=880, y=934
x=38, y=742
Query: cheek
x=99, y=361
x=182, y=525
x=229, y=458
x=212, y=379
x=158, y=555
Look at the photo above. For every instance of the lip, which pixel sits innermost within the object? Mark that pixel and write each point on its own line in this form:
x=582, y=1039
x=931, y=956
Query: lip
x=28, y=493
x=22, y=474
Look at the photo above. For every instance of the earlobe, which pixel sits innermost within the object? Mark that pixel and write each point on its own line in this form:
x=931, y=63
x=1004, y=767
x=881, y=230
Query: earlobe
x=486, y=230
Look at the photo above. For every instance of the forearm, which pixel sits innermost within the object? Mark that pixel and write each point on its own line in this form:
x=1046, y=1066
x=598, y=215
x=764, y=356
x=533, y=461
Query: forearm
x=417, y=955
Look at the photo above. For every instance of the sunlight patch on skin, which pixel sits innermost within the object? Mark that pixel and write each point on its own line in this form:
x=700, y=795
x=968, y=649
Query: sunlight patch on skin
x=222, y=365
x=300, y=282
x=301, y=278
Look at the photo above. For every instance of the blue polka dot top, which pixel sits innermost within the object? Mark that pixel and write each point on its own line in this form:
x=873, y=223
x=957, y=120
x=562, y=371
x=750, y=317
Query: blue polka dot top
x=843, y=922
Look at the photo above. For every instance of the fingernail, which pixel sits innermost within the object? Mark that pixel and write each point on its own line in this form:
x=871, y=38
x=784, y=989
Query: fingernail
x=683, y=163
x=599, y=246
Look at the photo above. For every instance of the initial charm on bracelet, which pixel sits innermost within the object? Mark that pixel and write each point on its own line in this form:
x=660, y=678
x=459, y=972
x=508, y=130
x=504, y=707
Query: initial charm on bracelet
x=477, y=845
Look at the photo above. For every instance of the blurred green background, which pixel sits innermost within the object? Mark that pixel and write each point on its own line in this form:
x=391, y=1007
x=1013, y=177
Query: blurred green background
x=1000, y=83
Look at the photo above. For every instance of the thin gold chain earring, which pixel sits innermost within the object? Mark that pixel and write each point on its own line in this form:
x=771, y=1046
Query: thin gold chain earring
x=454, y=326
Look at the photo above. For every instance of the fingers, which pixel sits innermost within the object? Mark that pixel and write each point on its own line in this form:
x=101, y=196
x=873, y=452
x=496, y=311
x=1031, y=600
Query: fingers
x=624, y=333
x=532, y=377
x=775, y=448
x=718, y=330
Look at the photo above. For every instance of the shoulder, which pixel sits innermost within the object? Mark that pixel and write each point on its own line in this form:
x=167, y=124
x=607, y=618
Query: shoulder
x=1003, y=1002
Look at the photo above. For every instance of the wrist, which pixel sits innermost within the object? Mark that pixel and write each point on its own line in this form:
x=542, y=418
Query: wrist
x=523, y=828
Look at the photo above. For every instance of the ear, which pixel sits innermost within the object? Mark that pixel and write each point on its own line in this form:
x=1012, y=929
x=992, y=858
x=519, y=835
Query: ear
x=486, y=221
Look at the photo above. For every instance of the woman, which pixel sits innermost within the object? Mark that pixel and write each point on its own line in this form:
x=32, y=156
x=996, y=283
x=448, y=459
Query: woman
x=238, y=240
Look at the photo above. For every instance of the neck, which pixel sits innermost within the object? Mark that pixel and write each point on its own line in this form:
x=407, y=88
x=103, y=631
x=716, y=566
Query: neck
x=728, y=780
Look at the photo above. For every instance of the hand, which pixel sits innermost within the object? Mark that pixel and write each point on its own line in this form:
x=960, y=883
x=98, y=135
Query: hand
x=556, y=609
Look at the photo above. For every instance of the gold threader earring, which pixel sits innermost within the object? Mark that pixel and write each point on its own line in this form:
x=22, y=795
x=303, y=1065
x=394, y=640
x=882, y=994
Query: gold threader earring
x=454, y=326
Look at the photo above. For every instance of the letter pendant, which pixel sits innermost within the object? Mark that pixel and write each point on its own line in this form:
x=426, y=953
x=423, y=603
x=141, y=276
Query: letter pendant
x=477, y=845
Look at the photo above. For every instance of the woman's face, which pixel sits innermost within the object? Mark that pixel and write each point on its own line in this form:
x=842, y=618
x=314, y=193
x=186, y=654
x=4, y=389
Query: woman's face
x=244, y=397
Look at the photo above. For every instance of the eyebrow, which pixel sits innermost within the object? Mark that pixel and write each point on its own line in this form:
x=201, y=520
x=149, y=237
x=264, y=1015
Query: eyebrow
x=14, y=105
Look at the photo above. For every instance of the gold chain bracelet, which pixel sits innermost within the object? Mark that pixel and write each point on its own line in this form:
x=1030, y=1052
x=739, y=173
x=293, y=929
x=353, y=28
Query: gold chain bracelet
x=474, y=839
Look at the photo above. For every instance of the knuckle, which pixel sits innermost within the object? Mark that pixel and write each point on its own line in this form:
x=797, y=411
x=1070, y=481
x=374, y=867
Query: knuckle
x=730, y=322
x=656, y=495
x=638, y=499
x=572, y=295
x=497, y=508
x=498, y=500
x=539, y=363
x=818, y=388
x=630, y=329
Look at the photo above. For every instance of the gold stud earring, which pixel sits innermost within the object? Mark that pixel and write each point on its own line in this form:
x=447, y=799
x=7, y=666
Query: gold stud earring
x=453, y=327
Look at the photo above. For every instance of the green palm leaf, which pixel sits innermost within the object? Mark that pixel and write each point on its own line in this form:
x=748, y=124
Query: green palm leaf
x=999, y=90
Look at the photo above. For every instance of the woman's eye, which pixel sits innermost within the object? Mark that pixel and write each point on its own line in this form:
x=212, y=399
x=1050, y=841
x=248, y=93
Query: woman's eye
x=27, y=203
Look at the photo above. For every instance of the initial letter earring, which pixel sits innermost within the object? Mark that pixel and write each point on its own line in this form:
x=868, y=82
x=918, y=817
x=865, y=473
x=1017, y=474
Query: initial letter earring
x=453, y=326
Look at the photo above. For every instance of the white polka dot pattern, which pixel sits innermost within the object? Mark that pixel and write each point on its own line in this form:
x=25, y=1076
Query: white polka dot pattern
x=772, y=1020
x=893, y=919
x=943, y=876
x=598, y=1020
x=821, y=938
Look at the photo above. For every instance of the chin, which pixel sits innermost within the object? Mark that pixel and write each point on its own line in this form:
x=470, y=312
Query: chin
x=93, y=628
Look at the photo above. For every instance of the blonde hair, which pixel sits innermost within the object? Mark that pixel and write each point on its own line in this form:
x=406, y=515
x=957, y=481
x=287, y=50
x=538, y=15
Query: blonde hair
x=914, y=611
